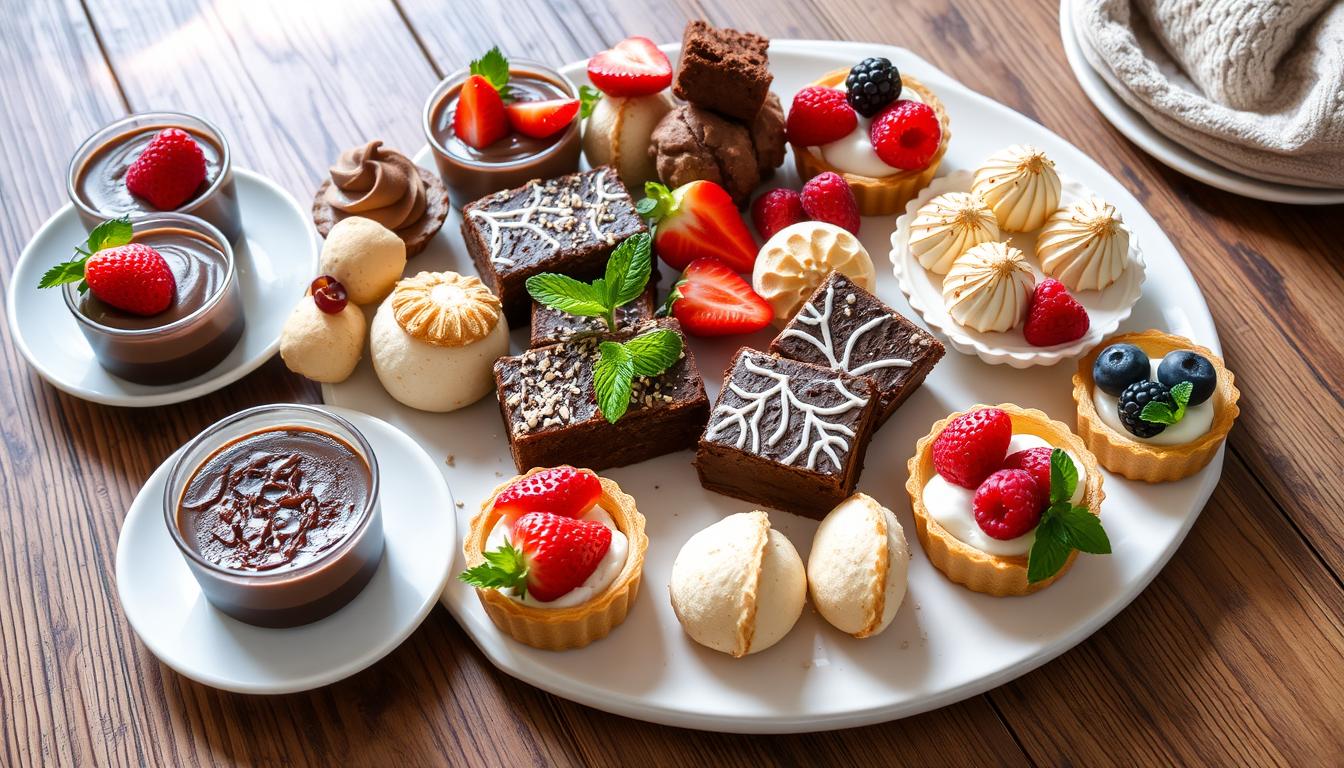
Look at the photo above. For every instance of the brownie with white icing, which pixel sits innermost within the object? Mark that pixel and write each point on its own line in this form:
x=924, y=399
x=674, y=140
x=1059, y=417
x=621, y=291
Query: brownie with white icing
x=787, y=434
x=843, y=326
x=550, y=411
x=569, y=224
x=550, y=325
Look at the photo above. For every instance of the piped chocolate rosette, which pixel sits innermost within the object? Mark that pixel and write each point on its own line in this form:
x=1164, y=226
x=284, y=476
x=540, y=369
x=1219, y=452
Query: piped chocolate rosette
x=373, y=182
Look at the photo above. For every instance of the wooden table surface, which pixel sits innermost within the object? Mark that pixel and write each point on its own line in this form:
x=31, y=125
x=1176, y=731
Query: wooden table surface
x=1234, y=654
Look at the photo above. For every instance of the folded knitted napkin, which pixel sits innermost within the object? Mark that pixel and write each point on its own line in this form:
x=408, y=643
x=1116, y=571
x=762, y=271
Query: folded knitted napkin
x=1256, y=86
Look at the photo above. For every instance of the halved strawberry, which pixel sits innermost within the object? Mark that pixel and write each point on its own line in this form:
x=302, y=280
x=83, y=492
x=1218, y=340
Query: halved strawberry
x=547, y=556
x=632, y=67
x=697, y=220
x=711, y=299
x=561, y=490
x=540, y=119
x=479, y=119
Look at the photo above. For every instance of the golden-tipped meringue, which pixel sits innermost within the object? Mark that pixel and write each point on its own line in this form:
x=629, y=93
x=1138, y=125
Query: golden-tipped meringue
x=948, y=226
x=856, y=572
x=1020, y=185
x=1084, y=245
x=798, y=258
x=989, y=287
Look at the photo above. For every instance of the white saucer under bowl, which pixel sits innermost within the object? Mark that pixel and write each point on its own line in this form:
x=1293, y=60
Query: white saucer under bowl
x=167, y=610
x=277, y=258
x=1106, y=309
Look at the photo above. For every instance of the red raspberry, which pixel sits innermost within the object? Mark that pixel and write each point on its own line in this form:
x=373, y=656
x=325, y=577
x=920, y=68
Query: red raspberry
x=820, y=116
x=776, y=210
x=827, y=197
x=168, y=171
x=1035, y=462
x=906, y=134
x=1008, y=504
x=971, y=446
x=1054, y=316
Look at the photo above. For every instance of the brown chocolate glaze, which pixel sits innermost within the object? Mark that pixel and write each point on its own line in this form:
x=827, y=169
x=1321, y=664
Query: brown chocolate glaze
x=513, y=147
x=199, y=267
x=276, y=499
x=101, y=181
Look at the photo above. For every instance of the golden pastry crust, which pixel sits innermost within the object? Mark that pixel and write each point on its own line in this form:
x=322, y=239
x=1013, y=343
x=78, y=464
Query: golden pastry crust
x=1144, y=461
x=559, y=629
x=881, y=564
x=979, y=571
x=889, y=194
x=444, y=308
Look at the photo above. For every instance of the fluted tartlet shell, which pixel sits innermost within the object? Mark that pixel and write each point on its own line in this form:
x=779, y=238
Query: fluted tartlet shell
x=949, y=225
x=1143, y=461
x=989, y=287
x=1084, y=245
x=1020, y=185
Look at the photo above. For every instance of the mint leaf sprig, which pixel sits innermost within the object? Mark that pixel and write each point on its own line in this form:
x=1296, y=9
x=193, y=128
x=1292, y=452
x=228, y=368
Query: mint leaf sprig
x=494, y=67
x=109, y=234
x=1161, y=413
x=504, y=568
x=1064, y=526
x=627, y=274
x=618, y=363
x=588, y=98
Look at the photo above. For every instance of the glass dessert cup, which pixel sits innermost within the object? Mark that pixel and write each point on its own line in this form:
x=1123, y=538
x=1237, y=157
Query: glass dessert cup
x=217, y=204
x=292, y=596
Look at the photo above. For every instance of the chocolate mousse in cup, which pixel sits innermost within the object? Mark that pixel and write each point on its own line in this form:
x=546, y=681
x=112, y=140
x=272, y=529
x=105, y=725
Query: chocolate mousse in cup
x=96, y=182
x=199, y=328
x=276, y=511
x=514, y=160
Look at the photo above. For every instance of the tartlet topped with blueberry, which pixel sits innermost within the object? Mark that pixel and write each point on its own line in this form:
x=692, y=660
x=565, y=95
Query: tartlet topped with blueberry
x=1154, y=406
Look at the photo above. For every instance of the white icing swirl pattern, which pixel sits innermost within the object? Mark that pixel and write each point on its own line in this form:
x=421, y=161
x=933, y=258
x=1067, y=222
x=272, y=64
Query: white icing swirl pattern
x=562, y=204
x=821, y=320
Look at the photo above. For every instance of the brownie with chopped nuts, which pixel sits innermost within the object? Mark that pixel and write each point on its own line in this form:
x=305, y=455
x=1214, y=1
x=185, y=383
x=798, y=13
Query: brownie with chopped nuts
x=550, y=411
x=724, y=70
x=845, y=327
x=569, y=224
x=787, y=434
x=550, y=325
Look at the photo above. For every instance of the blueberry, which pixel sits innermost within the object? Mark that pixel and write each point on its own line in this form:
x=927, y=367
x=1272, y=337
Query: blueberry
x=1184, y=365
x=1118, y=366
x=1134, y=398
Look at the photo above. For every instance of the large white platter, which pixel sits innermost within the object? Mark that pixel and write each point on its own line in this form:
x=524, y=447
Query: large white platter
x=946, y=643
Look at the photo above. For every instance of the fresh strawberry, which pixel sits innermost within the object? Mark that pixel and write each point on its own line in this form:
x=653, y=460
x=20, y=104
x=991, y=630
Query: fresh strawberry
x=561, y=490
x=1054, y=317
x=711, y=299
x=540, y=119
x=1035, y=462
x=776, y=210
x=906, y=134
x=819, y=116
x=697, y=220
x=1008, y=504
x=129, y=276
x=479, y=119
x=827, y=197
x=168, y=170
x=632, y=67
x=972, y=446
x=547, y=556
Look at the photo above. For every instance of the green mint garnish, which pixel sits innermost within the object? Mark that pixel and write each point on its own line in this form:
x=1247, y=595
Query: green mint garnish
x=1161, y=413
x=628, y=272
x=1064, y=527
x=648, y=354
x=588, y=98
x=494, y=68
x=109, y=234
x=504, y=568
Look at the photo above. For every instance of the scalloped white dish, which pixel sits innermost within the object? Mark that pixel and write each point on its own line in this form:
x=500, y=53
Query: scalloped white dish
x=1106, y=309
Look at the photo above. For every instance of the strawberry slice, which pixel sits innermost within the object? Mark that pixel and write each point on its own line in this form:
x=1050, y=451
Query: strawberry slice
x=479, y=119
x=540, y=119
x=697, y=220
x=632, y=67
x=561, y=490
x=132, y=277
x=711, y=299
x=547, y=556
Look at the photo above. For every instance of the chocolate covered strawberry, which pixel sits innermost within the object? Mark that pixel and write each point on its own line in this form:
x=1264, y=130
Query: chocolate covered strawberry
x=547, y=556
x=132, y=277
x=695, y=221
x=711, y=299
x=560, y=490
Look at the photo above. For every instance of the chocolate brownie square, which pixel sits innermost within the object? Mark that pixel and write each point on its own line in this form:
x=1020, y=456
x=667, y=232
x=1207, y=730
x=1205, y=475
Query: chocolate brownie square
x=569, y=224
x=550, y=326
x=787, y=434
x=550, y=410
x=724, y=70
x=843, y=326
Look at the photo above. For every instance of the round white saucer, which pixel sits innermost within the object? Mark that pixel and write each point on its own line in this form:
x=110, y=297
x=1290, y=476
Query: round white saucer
x=276, y=259
x=167, y=610
x=1169, y=153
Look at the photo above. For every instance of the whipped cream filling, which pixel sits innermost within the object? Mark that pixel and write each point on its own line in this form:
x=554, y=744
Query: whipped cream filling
x=608, y=568
x=950, y=505
x=854, y=153
x=1197, y=422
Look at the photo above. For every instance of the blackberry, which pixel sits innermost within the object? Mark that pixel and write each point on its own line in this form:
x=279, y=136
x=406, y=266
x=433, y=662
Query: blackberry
x=1132, y=400
x=872, y=84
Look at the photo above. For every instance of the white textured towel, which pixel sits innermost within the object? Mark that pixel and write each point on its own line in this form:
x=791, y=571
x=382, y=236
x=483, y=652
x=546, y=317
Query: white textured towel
x=1256, y=86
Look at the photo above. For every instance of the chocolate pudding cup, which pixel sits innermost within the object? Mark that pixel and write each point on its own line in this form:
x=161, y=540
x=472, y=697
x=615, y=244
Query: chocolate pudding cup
x=297, y=531
x=96, y=182
x=470, y=173
x=195, y=333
